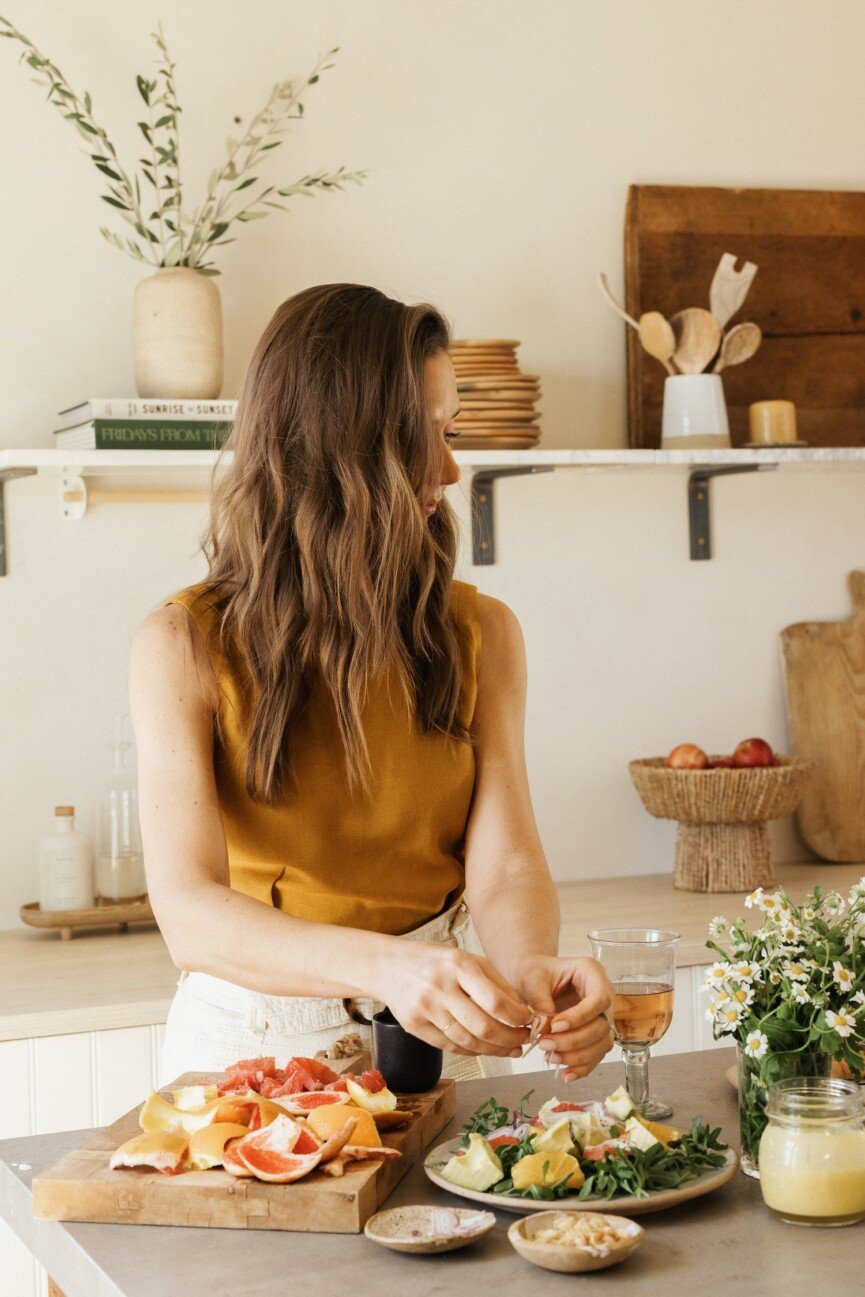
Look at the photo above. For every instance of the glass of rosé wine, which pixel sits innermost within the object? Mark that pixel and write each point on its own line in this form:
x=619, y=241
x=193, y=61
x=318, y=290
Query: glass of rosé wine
x=641, y=964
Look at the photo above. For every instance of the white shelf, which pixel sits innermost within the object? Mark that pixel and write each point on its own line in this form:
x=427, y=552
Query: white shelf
x=95, y=461
x=184, y=475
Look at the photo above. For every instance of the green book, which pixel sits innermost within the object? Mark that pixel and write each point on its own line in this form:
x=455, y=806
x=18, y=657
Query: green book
x=144, y=434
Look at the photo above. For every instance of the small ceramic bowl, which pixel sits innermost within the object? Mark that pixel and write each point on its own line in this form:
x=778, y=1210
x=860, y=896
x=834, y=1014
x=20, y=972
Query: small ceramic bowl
x=428, y=1229
x=568, y=1259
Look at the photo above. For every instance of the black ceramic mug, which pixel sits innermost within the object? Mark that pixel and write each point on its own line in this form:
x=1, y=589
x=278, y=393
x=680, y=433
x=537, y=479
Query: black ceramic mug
x=409, y=1065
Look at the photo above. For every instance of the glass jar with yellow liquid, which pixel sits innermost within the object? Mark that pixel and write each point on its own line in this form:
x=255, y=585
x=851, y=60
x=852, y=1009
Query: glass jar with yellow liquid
x=812, y=1152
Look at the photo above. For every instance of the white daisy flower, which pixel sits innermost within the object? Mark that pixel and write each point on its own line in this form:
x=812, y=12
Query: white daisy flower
x=771, y=904
x=743, y=995
x=755, y=898
x=728, y=1018
x=718, y=926
x=790, y=934
x=808, y=914
x=858, y=997
x=756, y=1044
x=775, y=977
x=796, y=972
x=799, y=994
x=841, y=976
x=746, y=971
x=716, y=974
x=843, y=1023
x=857, y=892
x=834, y=903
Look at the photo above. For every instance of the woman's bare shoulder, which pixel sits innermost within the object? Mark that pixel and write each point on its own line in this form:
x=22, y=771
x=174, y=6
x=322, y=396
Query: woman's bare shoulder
x=503, y=654
x=168, y=652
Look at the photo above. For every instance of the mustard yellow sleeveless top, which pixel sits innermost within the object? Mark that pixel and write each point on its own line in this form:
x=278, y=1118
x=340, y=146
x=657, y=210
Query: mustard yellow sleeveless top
x=386, y=862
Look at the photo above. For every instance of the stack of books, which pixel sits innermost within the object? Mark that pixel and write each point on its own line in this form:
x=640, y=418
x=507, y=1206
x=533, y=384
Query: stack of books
x=124, y=423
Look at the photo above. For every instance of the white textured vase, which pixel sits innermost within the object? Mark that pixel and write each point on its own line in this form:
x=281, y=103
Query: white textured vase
x=695, y=413
x=177, y=334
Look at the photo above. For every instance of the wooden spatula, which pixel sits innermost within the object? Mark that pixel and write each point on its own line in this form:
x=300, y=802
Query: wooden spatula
x=698, y=336
x=738, y=345
x=729, y=287
x=656, y=332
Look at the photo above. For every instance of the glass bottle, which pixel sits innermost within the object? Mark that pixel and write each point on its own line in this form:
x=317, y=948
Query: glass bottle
x=812, y=1152
x=120, y=864
x=65, y=865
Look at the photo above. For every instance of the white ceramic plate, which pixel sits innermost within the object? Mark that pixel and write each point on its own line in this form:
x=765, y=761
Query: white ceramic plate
x=658, y=1200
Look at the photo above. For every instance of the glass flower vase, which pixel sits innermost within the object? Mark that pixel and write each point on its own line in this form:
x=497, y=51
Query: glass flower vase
x=755, y=1077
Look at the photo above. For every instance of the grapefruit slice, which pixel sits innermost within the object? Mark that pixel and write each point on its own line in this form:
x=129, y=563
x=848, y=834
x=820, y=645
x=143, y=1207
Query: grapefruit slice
x=206, y=1146
x=338, y=1140
x=164, y=1151
x=271, y=1155
x=157, y=1114
x=189, y=1098
x=314, y=1067
x=308, y=1101
x=325, y=1122
x=381, y=1100
x=358, y=1153
x=231, y=1162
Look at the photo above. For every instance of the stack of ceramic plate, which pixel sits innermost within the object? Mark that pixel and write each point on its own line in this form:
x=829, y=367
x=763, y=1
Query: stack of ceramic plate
x=497, y=400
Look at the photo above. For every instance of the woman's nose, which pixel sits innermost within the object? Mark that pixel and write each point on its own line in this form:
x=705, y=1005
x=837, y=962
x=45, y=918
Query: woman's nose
x=450, y=468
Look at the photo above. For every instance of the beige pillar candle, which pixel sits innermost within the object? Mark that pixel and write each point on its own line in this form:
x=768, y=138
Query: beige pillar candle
x=772, y=423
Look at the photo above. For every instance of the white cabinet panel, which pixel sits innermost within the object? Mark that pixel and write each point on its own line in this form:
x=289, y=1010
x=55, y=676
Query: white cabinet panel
x=17, y=1266
x=157, y=1036
x=123, y=1071
x=63, y=1083
x=16, y=1117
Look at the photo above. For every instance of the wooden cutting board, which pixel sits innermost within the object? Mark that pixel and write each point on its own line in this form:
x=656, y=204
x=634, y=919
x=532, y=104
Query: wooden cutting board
x=81, y=1186
x=824, y=667
x=808, y=297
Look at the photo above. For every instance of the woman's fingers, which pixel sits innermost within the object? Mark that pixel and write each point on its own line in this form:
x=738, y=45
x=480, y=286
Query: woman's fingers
x=493, y=994
x=476, y=1030
x=566, y=1042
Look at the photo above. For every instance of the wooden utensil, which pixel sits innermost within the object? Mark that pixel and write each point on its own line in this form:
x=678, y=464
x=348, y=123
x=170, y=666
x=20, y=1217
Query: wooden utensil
x=824, y=669
x=654, y=331
x=729, y=287
x=698, y=336
x=738, y=345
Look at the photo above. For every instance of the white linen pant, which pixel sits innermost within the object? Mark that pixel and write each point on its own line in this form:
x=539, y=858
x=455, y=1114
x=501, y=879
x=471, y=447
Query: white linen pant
x=213, y=1023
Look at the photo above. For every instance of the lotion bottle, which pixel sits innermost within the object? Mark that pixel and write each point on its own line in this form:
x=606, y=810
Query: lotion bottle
x=65, y=865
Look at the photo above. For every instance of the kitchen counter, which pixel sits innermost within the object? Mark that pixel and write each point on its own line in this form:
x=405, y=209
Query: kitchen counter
x=729, y=1233
x=105, y=980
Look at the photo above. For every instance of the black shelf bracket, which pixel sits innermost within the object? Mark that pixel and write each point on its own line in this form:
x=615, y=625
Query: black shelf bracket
x=483, y=508
x=698, y=502
x=6, y=475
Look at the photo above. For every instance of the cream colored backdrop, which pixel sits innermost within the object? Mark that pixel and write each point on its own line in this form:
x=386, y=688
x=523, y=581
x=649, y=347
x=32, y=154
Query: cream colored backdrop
x=500, y=138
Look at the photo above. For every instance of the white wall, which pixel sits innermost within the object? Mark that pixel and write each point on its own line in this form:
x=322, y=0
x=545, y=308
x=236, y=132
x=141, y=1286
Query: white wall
x=500, y=138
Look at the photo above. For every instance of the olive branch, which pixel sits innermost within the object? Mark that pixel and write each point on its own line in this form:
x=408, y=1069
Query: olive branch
x=168, y=235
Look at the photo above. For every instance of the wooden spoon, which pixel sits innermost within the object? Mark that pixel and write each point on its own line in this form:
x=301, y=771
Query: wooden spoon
x=656, y=334
x=738, y=345
x=729, y=287
x=698, y=336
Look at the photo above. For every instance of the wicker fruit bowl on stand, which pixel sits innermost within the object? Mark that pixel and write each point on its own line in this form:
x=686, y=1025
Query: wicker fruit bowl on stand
x=723, y=841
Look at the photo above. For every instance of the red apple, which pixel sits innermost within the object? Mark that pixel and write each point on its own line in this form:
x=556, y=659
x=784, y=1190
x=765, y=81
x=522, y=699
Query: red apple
x=753, y=752
x=687, y=756
x=722, y=763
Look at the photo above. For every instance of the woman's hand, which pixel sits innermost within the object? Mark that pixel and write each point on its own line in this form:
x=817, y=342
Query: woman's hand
x=456, y=1001
x=578, y=995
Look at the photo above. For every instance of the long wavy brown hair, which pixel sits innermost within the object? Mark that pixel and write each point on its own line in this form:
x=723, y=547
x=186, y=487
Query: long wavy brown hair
x=322, y=558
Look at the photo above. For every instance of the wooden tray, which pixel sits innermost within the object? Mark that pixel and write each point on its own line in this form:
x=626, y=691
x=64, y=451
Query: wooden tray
x=81, y=1186
x=99, y=916
x=809, y=246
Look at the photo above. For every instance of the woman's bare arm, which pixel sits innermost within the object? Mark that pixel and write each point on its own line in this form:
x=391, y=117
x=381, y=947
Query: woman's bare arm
x=210, y=928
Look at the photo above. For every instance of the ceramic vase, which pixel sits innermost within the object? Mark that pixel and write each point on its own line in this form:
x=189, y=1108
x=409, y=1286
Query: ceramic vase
x=695, y=413
x=755, y=1077
x=177, y=334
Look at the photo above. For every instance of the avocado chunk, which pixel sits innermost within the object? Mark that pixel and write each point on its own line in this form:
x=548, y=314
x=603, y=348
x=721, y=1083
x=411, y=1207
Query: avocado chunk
x=638, y=1136
x=555, y=1138
x=476, y=1167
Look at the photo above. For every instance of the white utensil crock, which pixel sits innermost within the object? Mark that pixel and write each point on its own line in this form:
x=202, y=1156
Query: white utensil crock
x=695, y=413
x=177, y=334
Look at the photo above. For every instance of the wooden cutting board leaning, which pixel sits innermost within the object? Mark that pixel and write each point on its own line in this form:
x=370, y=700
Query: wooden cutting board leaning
x=807, y=299
x=82, y=1187
x=824, y=668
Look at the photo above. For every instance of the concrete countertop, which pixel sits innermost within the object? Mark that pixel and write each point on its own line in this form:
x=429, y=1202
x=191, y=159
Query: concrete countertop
x=721, y=1244
x=103, y=980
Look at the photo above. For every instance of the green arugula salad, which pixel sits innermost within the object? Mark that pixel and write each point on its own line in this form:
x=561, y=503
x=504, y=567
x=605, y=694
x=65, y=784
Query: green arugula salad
x=587, y=1150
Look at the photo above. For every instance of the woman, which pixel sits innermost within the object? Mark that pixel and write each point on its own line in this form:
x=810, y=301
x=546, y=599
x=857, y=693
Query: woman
x=330, y=728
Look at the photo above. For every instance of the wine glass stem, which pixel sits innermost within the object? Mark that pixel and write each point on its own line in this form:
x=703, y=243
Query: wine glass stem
x=637, y=1073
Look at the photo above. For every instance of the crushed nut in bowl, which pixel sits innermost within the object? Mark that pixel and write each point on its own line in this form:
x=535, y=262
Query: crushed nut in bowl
x=574, y=1241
